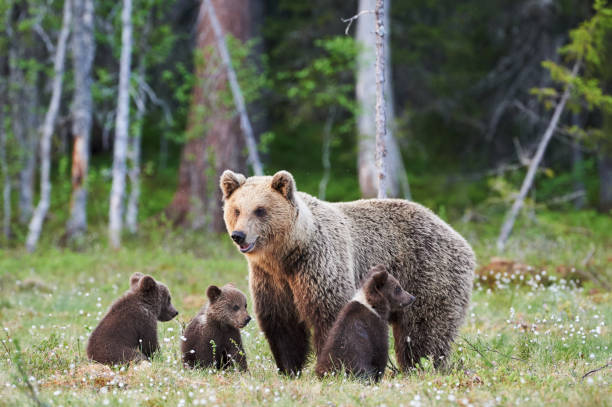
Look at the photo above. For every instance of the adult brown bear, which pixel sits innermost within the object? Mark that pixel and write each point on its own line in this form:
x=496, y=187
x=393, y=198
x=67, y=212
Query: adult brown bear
x=306, y=257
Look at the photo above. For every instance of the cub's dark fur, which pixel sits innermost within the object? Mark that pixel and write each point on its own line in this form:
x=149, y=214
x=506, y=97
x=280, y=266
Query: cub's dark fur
x=128, y=331
x=359, y=339
x=212, y=338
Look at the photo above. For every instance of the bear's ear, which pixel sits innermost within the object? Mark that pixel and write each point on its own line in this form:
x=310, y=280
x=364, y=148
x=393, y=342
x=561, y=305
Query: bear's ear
x=283, y=182
x=135, y=279
x=230, y=181
x=380, y=278
x=147, y=284
x=213, y=293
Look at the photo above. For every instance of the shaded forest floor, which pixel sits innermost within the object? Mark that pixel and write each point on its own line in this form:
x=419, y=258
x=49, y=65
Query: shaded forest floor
x=539, y=321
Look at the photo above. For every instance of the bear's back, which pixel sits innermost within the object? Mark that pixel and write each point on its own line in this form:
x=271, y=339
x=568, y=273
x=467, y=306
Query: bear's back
x=128, y=323
x=405, y=236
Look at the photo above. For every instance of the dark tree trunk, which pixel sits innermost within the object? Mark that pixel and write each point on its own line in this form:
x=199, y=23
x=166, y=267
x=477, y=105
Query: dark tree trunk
x=216, y=142
x=23, y=101
x=605, y=183
x=605, y=168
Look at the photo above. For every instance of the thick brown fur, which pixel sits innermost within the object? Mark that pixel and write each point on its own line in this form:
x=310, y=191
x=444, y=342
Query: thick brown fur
x=359, y=339
x=306, y=257
x=128, y=331
x=212, y=338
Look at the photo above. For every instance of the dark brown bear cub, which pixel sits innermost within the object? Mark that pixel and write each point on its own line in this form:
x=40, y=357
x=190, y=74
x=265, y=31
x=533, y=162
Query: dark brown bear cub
x=128, y=331
x=212, y=338
x=359, y=339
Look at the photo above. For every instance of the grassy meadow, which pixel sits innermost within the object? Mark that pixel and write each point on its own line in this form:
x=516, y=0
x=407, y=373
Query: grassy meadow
x=539, y=321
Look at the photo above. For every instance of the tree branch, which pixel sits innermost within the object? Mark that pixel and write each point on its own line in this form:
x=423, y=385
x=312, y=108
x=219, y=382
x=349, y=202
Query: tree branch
x=245, y=123
x=535, y=162
x=350, y=20
x=590, y=372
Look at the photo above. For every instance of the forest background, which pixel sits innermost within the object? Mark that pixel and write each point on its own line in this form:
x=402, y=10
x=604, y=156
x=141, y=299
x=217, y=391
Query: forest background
x=117, y=118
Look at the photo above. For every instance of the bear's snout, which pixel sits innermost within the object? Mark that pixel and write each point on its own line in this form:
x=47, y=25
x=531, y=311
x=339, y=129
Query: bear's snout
x=411, y=299
x=238, y=236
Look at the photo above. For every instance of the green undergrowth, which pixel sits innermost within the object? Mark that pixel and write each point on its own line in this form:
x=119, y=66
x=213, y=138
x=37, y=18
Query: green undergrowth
x=528, y=341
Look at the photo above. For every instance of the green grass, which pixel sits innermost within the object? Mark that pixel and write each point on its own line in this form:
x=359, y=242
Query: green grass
x=527, y=344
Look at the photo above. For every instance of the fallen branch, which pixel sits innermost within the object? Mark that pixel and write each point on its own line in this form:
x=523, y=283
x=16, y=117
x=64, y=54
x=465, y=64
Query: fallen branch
x=588, y=257
x=593, y=277
x=590, y=372
x=534, y=163
x=567, y=197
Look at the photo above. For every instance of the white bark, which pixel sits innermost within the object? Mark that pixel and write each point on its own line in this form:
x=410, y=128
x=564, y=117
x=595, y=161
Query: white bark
x=6, y=178
x=47, y=131
x=245, y=123
x=83, y=48
x=325, y=152
x=131, y=215
x=397, y=180
x=121, y=129
x=534, y=164
x=381, y=119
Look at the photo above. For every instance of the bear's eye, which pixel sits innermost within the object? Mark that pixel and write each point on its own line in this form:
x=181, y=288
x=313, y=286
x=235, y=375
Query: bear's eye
x=397, y=290
x=260, y=212
x=236, y=308
x=236, y=212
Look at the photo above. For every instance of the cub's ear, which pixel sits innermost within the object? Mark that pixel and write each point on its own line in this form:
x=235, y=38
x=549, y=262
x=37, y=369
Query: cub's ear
x=380, y=278
x=230, y=181
x=135, y=279
x=213, y=293
x=147, y=284
x=283, y=182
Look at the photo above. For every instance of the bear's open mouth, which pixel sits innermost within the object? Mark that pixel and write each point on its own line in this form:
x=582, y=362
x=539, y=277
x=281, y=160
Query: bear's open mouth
x=245, y=248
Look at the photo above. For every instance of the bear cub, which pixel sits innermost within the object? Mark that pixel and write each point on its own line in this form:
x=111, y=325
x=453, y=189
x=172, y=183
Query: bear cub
x=212, y=338
x=359, y=338
x=128, y=331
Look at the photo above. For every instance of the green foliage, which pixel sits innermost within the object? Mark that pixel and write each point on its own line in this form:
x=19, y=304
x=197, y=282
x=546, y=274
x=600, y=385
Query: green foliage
x=327, y=80
x=589, y=43
x=527, y=345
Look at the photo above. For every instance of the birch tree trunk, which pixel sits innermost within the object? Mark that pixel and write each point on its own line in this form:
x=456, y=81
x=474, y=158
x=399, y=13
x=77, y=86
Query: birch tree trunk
x=131, y=215
x=47, y=131
x=83, y=48
x=6, y=178
x=121, y=129
x=397, y=180
x=534, y=164
x=381, y=114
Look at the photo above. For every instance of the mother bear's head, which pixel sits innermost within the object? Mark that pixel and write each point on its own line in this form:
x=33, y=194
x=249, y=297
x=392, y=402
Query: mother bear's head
x=259, y=212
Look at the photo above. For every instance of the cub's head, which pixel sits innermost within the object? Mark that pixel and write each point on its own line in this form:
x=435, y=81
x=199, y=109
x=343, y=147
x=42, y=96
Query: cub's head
x=155, y=295
x=258, y=210
x=228, y=305
x=384, y=293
